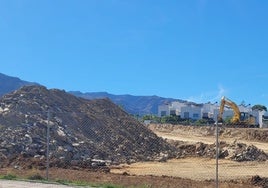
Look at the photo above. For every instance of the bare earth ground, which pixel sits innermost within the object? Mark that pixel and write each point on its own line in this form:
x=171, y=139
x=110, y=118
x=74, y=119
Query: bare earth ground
x=193, y=135
x=197, y=169
x=125, y=180
x=186, y=172
x=201, y=169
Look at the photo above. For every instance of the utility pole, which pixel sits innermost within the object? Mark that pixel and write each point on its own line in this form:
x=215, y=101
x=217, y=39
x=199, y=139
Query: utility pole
x=217, y=154
x=48, y=130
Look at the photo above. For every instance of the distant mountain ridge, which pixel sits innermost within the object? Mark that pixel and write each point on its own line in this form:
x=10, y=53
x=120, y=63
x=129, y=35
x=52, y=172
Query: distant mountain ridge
x=9, y=84
x=136, y=105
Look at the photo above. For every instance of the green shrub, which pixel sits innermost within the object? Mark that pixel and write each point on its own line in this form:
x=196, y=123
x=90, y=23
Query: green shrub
x=36, y=177
x=9, y=177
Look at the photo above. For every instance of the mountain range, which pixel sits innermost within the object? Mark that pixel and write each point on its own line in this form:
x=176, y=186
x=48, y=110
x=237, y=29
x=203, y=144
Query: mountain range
x=9, y=84
x=136, y=105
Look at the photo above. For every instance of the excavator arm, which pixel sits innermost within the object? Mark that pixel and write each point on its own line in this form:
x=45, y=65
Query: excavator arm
x=227, y=102
x=245, y=120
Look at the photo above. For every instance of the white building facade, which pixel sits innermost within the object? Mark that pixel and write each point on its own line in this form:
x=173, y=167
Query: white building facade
x=191, y=112
x=208, y=111
x=182, y=109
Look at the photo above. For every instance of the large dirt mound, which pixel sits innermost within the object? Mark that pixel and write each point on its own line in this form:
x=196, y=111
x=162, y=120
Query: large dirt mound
x=83, y=132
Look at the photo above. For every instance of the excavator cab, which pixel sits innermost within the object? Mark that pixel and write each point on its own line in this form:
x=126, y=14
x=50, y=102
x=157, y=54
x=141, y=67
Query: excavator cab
x=244, y=116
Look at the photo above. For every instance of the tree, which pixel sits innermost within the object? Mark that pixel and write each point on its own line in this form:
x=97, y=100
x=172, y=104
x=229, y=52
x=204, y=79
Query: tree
x=259, y=107
x=153, y=118
x=172, y=119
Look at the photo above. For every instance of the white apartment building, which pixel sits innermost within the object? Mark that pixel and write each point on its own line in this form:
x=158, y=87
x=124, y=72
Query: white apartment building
x=163, y=110
x=184, y=110
x=170, y=109
x=207, y=111
x=264, y=119
x=261, y=118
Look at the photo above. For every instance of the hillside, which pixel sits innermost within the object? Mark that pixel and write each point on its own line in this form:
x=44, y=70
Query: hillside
x=136, y=105
x=9, y=84
x=81, y=130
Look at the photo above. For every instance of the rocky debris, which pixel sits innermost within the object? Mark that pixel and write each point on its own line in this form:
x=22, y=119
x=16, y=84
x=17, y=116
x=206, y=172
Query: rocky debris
x=242, y=152
x=82, y=132
x=259, y=181
x=236, y=151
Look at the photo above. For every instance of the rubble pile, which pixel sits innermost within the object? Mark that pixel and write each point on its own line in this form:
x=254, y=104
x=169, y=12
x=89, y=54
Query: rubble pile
x=235, y=151
x=82, y=132
x=242, y=152
x=259, y=181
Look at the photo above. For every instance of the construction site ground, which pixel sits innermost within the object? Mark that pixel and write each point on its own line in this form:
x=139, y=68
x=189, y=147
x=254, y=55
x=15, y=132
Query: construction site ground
x=200, y=168
x=196, y=172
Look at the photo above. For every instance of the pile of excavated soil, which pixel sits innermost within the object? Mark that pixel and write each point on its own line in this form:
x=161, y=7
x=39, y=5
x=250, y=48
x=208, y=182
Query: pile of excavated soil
x=188, y=141
x=259, y=181
x=82, y=132
x=235, y=151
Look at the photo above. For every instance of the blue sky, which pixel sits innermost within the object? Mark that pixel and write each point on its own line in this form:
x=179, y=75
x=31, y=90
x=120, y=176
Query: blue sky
x=197, y=50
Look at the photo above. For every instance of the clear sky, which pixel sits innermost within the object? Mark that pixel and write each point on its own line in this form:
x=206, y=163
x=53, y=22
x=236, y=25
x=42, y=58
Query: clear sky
x=196, y=50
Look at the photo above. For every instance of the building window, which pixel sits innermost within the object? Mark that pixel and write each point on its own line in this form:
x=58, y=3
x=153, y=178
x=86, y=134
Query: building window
x=205, y=115
x=163, y=113
x=186, y=115
x=172, y=112
x=195, y=115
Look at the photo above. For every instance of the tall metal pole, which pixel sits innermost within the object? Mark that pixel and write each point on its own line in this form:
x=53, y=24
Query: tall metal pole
x=48, y=129
x=217, y=155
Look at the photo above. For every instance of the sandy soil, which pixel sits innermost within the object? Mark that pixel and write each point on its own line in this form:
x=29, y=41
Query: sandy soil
x=206, y=135
x=200, y=168
x=209, y=139
x=197, y=169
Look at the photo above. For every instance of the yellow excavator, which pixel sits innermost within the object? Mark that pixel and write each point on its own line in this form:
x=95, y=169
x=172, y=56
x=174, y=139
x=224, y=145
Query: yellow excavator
x=239, y=119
